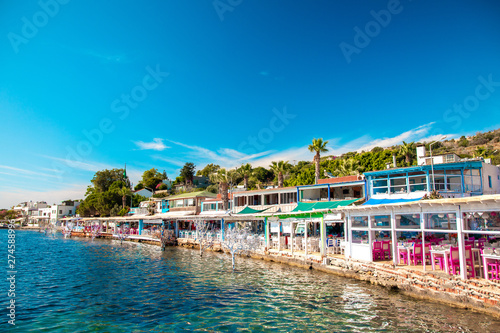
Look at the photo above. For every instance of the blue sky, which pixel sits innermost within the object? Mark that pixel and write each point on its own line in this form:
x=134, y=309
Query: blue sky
x=87, y=85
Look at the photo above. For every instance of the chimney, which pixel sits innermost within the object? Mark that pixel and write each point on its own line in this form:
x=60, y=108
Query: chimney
x=394, y=161
x=420, y=155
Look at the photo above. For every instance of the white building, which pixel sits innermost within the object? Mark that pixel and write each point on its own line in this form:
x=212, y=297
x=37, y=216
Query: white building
x=65, y=209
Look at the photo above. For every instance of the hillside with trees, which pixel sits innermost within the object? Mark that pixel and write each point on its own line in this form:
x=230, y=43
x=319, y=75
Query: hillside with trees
x=110, y=191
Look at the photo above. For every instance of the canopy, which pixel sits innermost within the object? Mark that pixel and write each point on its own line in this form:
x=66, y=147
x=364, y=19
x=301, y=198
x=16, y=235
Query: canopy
x=248, y=210
x=321, y=205
x=373, y=201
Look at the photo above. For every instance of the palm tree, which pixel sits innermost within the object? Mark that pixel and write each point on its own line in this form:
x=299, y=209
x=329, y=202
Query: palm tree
x=408, y=151
x=318, y=146
x=347, y=167
x=223, y=178
x=245, y=170
x=124, y=192
x=480, y=152
x=280, y=168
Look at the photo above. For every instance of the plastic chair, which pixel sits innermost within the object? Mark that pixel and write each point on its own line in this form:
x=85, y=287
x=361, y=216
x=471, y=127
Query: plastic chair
x=468, y=262
x=403, y=256
x=469, y=243
x=417, y=254
x=427, y=253
x=386, y=249
x=481, y=242
x=377, y=250
x=440, y=261
x=453, y=260
x=492, y=268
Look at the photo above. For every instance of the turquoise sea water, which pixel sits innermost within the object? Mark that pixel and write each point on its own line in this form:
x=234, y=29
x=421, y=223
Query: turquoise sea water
x=79, y=285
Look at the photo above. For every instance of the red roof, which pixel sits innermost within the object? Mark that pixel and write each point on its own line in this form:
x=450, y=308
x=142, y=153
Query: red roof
x=345, y=179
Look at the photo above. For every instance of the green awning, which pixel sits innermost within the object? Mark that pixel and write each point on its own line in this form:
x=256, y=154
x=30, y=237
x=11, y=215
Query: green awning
x=314, y=209
x=321, y=205
x=248, y=210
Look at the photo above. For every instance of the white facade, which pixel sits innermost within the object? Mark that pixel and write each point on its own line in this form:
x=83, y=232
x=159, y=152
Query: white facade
x=67, y=208
x=491, y=179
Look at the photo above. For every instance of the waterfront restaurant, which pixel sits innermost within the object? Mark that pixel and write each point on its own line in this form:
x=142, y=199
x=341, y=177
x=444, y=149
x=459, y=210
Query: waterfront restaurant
x=302, y=232
x=455, y=235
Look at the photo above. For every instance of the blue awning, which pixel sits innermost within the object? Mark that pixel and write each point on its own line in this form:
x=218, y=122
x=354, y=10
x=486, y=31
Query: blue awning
x=388, y=201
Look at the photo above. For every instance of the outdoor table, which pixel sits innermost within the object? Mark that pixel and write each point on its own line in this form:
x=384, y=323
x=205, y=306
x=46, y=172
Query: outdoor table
x=491, y=256
x=445, y=254
x=407, y=248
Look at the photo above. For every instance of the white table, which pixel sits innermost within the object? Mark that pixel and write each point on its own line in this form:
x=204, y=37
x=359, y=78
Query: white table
x=485, y=259
x=408, y=250
x=446, y=253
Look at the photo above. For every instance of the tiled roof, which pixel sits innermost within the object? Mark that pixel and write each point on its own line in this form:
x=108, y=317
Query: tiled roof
x=340, y=180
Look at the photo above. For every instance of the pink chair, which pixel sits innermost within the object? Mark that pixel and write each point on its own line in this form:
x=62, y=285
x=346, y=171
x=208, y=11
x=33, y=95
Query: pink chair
x=481, y=242
x=469, y=263
x=453, y=260
x=427, y=253
x=492, y=268
x=417, y=254
x=440, y=262
x=469, y=243
x=386, y=249
x=403, y=256
x=377, y=250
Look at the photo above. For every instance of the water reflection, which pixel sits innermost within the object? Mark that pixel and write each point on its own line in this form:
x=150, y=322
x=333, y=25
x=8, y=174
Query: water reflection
x=80, y=285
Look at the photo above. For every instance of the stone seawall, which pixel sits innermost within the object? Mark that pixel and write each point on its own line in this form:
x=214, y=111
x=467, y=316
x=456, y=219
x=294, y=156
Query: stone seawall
x=474, y=294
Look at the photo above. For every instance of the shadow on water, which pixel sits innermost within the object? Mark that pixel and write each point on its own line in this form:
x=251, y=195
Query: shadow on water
x=79, y=285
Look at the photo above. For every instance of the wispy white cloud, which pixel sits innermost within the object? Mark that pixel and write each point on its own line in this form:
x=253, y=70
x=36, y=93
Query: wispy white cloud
x=157, y=144
x=415, y=134
x=420, y=133
x=69, y=163
x=168, y=160
x=225, y=157
x=21, y=172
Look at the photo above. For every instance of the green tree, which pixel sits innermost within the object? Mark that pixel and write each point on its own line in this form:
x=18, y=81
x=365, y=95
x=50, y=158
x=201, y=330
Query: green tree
x=263, y=175
x=124, y=192
x=280, y=169
x=104, y=179
x=151, y=178
x=223, y=178
x=480, y=152
x=208, y=170
x=245, y=171
x=347, y=167
x=318, y=146
x=408, y=150
x=187, y=172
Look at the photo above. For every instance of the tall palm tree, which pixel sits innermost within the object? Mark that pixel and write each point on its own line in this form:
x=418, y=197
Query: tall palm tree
x=223, y=177
x=280, y=168
x=408, y=150
x=245, y=170
x=124, y=192
x=318, y=146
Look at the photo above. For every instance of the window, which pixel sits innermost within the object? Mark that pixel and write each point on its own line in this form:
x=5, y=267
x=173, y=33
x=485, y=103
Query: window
x=445, y=221
x=70, y=212
x=60, y=211
x=360, y=221
x=381, y=221
x=489, y=181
